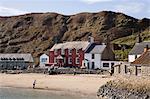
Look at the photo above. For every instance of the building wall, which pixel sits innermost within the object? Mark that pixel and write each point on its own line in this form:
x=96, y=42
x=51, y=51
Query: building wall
x=111, y=63
x=121, y=69
x=51, y=57
x=65, y=53
x=132, y=58
x=116, y=70
x=96, y=60
x=145, y=70
x=140, y=70
x=13, y=65
x=44, y=59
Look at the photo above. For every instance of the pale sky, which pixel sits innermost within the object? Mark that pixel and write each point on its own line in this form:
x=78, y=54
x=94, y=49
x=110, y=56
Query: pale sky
x=135, y=8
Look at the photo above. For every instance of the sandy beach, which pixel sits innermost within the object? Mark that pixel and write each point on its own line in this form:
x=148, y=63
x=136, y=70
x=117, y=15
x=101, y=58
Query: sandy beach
x=81, y=84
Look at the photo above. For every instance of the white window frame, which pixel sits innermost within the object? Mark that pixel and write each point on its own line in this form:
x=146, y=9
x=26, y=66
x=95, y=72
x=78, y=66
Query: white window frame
x=45, y=60
x=77, y=60
x=77, y=51
x=106, y=67
x=62, y=51
x=70, y=60
x=70, y=51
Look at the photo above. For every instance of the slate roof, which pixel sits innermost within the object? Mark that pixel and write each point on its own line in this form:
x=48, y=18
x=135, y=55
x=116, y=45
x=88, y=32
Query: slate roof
x=95, y=48
x=71, y=45
x=144, y=59
x=139, y=48
x=25, y=57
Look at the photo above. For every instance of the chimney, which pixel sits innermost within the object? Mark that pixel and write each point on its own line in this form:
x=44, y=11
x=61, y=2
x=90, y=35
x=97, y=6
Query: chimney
x=146, y=48
x=90, y=39
x=138, y=38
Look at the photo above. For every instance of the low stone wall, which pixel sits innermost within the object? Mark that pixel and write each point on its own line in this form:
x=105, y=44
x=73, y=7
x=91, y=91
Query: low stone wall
x=57, y=71
x=109, y=92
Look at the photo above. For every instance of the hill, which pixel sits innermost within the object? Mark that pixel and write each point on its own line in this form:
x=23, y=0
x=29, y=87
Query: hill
x=36, y=32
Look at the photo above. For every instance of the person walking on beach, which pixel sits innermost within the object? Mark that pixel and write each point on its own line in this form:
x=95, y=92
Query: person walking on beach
x=34, y=84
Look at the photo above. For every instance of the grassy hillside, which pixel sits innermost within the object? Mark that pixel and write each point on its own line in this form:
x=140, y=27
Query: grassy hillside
x=130, y=41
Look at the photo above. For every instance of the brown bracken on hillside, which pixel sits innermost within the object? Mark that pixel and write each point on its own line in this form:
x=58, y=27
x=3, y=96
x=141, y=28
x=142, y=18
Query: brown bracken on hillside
x=35, y=32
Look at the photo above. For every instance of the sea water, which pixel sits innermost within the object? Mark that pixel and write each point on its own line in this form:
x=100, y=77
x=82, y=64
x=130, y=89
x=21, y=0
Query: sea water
x=18, y=93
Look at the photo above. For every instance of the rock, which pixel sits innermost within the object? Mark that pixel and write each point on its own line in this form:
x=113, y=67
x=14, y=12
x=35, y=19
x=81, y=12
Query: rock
x=114, y=93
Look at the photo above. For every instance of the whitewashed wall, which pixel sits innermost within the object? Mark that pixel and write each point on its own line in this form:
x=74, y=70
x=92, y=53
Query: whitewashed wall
x=96, y=60
x=42, y=64
x=110, y=62
x=132, y=58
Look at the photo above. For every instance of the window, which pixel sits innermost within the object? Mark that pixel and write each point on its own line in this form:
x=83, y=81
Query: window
x=44, y=60
x=93, y=65
x=93, y=56
x=77, y=60
x=55, y=60
x=77, y=52
x=88, y=65
x=62, y=51
x=70, y=51
x=70, y=60
x=105, y=64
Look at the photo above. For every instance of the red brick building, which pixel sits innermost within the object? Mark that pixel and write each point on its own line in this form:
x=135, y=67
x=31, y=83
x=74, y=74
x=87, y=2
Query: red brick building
x=68, y=53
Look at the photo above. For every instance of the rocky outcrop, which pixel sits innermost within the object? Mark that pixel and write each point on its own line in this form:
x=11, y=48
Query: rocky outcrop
x=109, y=92
x=34, y=33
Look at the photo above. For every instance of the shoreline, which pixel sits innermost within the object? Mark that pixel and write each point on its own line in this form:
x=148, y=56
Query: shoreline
x=54, y=91
x=84, y=85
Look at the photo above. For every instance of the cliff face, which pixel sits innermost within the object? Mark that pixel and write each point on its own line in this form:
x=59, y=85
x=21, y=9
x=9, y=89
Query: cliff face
x=35, y=33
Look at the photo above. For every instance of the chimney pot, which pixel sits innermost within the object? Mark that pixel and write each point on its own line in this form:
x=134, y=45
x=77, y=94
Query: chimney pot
x=146, y=48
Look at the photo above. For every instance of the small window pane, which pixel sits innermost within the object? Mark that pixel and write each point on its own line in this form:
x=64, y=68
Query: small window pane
x=105, y=64
x=93, y=56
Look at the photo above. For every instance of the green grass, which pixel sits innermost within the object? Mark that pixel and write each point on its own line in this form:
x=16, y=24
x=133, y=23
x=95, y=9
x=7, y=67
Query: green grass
x=122, y=55
x=131, y=40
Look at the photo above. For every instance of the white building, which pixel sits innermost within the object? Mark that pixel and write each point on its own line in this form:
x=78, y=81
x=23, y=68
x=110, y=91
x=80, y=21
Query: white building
x=99, y=56
x=137, y=50
x=44, y=59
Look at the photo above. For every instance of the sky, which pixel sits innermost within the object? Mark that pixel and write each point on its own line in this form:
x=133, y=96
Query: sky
x=135, y=8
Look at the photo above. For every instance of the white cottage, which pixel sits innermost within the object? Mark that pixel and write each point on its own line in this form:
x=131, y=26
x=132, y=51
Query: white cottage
x=99, y=56
x=137, y=50
x=44, y=59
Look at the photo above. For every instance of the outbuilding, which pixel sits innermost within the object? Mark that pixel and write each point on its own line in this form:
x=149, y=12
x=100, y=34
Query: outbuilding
x=44, y=59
